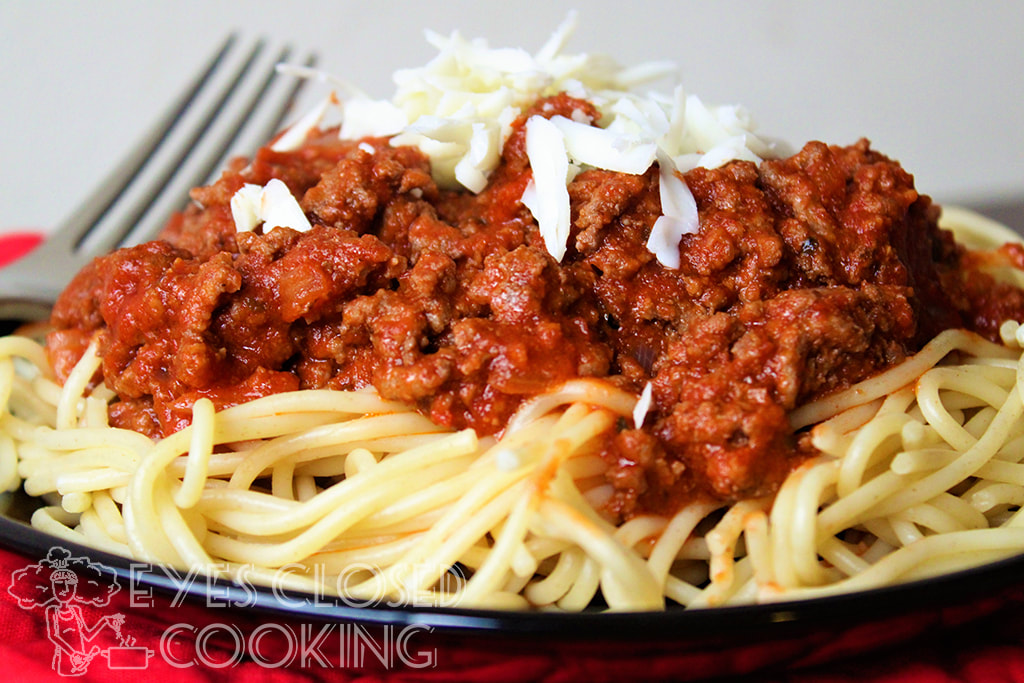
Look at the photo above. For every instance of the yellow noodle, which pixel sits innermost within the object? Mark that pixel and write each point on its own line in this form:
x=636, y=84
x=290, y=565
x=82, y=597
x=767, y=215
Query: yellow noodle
x=74, y=387
x=346, y=493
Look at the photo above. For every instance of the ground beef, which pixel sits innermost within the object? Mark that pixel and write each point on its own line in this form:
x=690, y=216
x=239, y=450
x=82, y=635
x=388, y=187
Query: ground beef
x=807, y=274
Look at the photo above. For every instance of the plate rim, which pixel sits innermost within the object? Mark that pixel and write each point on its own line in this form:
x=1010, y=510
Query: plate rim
x=842, y=610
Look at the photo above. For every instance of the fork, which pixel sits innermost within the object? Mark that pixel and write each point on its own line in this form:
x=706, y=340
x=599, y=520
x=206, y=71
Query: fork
x=232, y=106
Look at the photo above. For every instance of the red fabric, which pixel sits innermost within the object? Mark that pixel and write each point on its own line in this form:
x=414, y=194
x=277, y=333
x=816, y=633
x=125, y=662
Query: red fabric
x=165, y=640
x=14, y=245
x=190, y=641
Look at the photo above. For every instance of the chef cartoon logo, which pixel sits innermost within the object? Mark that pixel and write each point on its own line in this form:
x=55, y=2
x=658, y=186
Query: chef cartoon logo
x=65, y=588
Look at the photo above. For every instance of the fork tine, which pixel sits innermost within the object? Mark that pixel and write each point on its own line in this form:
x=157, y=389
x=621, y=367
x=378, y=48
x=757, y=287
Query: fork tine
x=30, y=285
x=233, y=105
x=265, y=122
x=191, y=151
x=75, y=228
x=255, y=125
x=248, y=116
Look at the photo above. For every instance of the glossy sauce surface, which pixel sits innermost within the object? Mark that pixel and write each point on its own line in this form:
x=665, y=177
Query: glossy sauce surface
x=807, y=274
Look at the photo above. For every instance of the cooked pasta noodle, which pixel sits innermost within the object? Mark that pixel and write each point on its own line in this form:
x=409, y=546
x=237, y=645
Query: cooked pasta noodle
x=921, y=471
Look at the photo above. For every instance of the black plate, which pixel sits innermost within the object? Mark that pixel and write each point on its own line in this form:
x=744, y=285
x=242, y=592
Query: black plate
x=964, y=587
x=675, y=644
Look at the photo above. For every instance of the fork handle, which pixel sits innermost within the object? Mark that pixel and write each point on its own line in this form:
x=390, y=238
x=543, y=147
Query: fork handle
x=28, y=287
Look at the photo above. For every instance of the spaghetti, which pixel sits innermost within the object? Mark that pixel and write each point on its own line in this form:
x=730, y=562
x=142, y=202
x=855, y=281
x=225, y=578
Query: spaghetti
x=399, y=359
x=343, y=493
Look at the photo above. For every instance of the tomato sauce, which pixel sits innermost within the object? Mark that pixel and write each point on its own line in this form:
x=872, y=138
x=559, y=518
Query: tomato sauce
x=807, y=274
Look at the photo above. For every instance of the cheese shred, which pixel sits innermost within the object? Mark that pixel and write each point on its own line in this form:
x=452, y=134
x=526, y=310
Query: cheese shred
x=459, y=108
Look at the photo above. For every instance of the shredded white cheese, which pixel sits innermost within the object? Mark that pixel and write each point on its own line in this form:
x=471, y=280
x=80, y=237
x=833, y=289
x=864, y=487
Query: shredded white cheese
x=272, y=205
x=297, y=132
x=458, y=109
x=643, y=406
x=679, y=214
x=364, y=117
x=245, y=207
x=605, y=148
x=547, y=195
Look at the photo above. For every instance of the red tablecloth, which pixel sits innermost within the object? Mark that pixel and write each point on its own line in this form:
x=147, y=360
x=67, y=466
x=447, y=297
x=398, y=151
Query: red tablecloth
x=126, y=630
x=14, y=244
x=97, y=633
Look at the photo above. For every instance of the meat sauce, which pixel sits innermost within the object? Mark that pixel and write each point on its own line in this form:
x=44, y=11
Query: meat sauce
x=807, y=274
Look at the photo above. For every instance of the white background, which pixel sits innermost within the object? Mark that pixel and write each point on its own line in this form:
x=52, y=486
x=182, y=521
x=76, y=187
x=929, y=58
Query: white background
x=936, y=85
